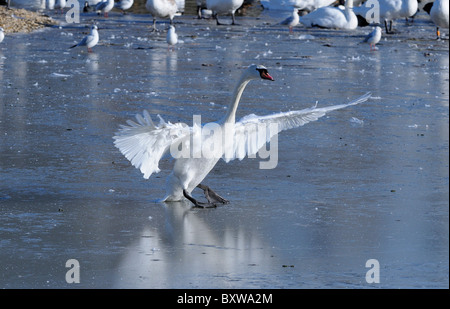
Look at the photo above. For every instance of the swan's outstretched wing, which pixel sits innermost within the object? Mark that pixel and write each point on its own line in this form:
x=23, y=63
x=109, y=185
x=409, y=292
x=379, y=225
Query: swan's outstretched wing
x=144, y=144
x=253, y=132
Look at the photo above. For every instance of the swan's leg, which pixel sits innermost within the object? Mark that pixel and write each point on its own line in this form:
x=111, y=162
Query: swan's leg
x=216, y=16
x=233, y=19
x=154, y=26
x=197, y=203
x=212, y=196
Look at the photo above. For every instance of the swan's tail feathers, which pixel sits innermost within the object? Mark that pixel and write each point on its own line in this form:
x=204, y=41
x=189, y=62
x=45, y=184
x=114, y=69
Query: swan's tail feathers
x=252, y=132
x=144, y=144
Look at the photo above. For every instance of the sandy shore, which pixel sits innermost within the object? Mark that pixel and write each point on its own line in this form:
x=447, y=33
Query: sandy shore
x=21, y=20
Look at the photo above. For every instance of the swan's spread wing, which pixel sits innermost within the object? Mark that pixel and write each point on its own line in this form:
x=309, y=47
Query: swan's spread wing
x=144, y=144
x=253, y=132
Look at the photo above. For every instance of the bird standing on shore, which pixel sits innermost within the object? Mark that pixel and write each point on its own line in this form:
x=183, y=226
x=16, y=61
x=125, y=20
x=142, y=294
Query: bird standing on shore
x=161, y=9
x=90, y=40
x=439, y=14
x=172, y=37
x=124, y=5
x=105, y=6
x=291, y=21
x=373, y=38
x=224, y=7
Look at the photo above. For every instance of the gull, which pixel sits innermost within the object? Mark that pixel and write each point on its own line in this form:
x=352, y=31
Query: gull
x=124, y=5
x=105, y=6
x=161, y=9
x=90, y=40
x=172, y=37
x=291, y=21
x=373, y=38
x=143, y=143
x=438, y=11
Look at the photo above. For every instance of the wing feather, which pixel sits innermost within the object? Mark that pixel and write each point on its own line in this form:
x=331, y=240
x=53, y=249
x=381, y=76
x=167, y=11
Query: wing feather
x=253, y=132
x=144, y=144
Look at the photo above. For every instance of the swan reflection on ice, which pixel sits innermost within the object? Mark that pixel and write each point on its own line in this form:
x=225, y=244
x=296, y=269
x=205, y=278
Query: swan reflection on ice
x=144, y=143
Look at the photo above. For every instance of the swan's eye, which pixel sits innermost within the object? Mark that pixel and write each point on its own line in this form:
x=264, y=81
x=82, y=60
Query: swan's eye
x=265, y=74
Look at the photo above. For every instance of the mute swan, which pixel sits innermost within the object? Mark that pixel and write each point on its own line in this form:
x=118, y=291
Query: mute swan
x=373, y=38
x=144, y=143
x=331, y=17
x=2, y=34
x=306, y=5
x=438, y=11
x=124, y=5
x=105, y=6
x=224, y=7
x=90, y=40
x=161, y=9
x=172, y=37
x=291, y=21
x=391, y=10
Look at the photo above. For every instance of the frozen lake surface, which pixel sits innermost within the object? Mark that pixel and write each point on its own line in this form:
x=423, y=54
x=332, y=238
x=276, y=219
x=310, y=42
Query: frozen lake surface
x=367, y=182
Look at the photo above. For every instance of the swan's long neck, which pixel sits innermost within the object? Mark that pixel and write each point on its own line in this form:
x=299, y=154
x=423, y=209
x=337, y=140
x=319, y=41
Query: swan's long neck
x=348, y=9
x=230, y=117
x=348, y=5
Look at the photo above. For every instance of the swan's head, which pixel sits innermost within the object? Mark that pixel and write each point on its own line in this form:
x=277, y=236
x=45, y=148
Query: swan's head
x=258, y=71
x=94, y=27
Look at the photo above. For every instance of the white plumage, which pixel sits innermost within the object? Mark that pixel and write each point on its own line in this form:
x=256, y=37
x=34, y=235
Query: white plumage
x=373, y=37
x=221, y=7
x=2, y=34
x=143, y=143
x=331, y=17
x=105, y=6
x=90, y=40
x=161, y=9
x=124, y=5
x=292, y=20
x=391, y=10
x=172, y=36
x=439, y=15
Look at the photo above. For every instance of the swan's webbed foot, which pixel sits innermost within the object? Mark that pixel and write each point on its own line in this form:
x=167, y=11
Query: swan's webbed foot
x=212, y=196
x=197, y=203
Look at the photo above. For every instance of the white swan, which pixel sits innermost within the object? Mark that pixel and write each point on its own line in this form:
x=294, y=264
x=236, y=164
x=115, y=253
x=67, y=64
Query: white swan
x=373, y=38
x=172, y=37
x=292, y=20
x=391, y=10
x=438, y=11
x=90, y=40
x=2, y=34
x=161, y=9
x=144, y=143
x=124, y=5
x=105, y=6
x=331, y=17
x=224, y=7
x=306, y=5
